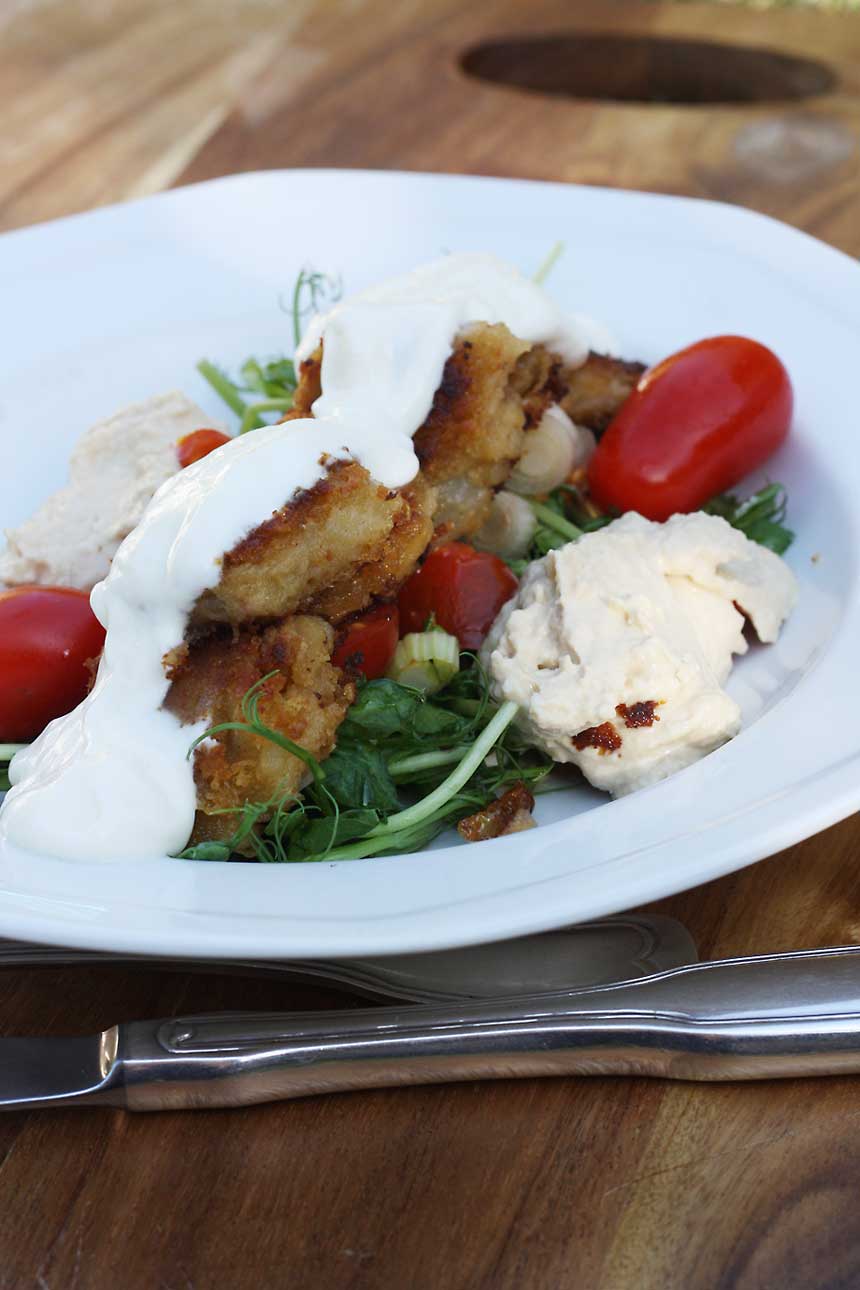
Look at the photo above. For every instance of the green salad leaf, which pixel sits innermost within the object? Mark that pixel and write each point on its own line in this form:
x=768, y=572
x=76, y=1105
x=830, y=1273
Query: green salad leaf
x=359, y=776
x=760, y=517
x=563, y=518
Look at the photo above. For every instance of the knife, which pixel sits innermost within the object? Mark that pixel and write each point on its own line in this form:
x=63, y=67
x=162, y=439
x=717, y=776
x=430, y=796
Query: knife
x=767, y=1017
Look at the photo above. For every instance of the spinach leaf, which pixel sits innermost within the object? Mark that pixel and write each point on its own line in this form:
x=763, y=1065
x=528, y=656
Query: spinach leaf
x=381, y=709
x=358, y=776
x=323, y=832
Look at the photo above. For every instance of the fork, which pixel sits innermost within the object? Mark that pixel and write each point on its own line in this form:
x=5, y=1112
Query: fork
x=596, y=953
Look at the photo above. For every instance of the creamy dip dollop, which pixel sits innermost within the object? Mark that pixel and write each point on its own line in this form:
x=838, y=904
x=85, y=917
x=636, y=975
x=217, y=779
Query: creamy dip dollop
x=617, y=646
x=112, y=780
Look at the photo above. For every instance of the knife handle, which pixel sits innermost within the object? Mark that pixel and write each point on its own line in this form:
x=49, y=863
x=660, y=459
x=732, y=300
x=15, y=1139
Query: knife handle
x=767, y=1017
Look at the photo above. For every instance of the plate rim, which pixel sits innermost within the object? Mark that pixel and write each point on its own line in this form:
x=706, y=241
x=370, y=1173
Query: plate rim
x=835, y=789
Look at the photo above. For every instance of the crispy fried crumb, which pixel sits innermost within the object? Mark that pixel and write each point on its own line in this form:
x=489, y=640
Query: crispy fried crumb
x=305, y=700
x=597, y=390
x=493, y=387
x=329, y=551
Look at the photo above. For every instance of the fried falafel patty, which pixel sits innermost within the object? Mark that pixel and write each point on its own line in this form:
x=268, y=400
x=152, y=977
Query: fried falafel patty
x=330, y=550
x=303, y=697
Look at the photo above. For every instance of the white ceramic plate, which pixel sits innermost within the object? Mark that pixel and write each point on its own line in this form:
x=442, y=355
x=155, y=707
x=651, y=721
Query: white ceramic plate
x=110, y=307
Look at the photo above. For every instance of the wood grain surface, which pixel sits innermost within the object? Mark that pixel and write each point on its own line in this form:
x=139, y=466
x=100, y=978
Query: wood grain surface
x=612, y=1184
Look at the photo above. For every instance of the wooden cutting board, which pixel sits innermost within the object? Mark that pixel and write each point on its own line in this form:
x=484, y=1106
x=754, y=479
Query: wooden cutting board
x=610, y=1184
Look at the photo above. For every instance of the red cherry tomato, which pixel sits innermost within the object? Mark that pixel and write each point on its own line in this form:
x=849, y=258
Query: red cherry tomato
x=369, y=643
x=192, y=447
x=462, y=588
x=695, y=425
x=47, y=634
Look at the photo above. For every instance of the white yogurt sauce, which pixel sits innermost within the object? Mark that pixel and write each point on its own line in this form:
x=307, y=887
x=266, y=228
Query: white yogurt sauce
x=112, y=780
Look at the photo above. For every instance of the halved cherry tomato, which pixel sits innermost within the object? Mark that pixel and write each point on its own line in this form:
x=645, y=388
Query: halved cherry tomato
x=462, y=588
x=193, y=447
x=47, y=634
x=695, y=425
x=369, y=643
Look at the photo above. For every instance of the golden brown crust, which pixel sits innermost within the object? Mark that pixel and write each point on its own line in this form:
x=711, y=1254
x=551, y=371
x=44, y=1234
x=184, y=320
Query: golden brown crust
x=539, y=379
x=305, y=700
x=329, y=551
x=309, y=387
x=493, y=387
x=394, y=559
x=597, y=390
x=475, y=424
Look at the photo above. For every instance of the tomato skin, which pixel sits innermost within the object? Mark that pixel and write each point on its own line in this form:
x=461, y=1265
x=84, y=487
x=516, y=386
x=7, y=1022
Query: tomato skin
x=462, y=588
x=47, y=634
x=695, y=425
x=197, y=445
x=369, y=643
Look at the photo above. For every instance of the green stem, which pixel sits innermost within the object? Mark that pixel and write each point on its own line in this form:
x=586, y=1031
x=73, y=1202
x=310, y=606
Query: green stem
x=466, y=707
x=251, y=420
x=8, y=751
x=455, y=781
x=222, y=386
x=405, y=839
x=273, y=736
x=553, y=520
x=297, y=316
x=432, y=808
x=548, y=264
x=425, y=761
x=763, y=499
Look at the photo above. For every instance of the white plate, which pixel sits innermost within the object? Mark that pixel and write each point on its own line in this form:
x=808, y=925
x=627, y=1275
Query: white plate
x=116, y=305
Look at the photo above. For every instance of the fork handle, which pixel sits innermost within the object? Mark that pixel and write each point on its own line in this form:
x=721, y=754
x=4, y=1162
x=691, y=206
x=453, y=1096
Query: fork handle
x=736, y=1019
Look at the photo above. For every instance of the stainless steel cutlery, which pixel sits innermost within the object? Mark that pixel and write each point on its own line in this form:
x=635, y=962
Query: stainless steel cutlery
x=764, y=1017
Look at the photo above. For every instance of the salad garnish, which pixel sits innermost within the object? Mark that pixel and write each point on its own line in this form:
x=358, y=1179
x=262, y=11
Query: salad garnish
x=269, y=385
x=760, y=517
x=457, y=750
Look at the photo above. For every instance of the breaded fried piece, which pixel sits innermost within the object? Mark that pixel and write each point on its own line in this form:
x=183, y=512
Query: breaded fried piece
x=346, y=541
x=334, y=548
x=309, y=387
x=493, y=388
x=330, y=550
x=539, y=380
x=475, y=425
x=381, y=576
x=596, y=390
x=487, y=362
x=305, y=700
x=474, y=431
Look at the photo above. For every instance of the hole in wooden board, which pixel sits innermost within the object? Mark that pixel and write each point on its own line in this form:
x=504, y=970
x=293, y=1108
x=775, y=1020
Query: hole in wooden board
x=647, y=69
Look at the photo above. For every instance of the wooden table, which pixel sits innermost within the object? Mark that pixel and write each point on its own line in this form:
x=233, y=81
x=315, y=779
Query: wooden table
x=610, y=1184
